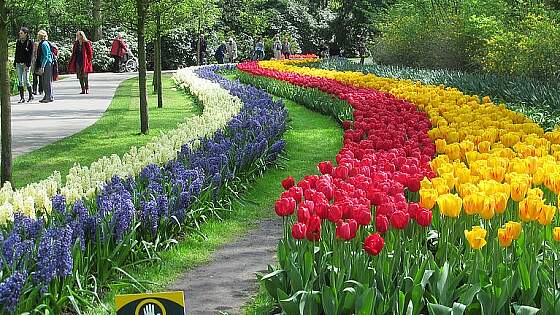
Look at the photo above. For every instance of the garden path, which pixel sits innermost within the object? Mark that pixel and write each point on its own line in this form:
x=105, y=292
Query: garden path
x=35, y=125
x=228, y=281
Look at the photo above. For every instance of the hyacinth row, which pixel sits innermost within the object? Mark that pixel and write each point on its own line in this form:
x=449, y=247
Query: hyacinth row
x=490, y=245
x=84, y=181
x=76, y=249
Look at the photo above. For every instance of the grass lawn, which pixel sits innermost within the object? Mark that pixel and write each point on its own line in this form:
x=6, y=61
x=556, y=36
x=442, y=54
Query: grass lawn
x=312, y=138
x=114, y=133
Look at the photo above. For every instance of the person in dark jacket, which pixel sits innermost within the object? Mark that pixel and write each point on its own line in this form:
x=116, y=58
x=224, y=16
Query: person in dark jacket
x=81, y=60
x=22, y=63
x=44, y=63
x=220, y=53
x=286, y=49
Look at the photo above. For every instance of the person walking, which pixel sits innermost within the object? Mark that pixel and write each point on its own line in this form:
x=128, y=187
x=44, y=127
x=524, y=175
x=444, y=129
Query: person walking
x=220, y=53
x=118, y=51
x=45, y=65
x=231, y=50
x=34, y=70
x=22, y=63
x=81, y=60
x=259, y=49
x=286, y=49
x=277, y=48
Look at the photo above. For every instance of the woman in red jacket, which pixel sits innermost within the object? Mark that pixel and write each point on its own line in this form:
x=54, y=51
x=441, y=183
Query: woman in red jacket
x=81, y=60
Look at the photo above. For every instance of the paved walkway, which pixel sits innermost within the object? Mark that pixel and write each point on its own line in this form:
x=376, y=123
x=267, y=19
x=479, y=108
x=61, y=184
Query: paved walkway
x=35, y=125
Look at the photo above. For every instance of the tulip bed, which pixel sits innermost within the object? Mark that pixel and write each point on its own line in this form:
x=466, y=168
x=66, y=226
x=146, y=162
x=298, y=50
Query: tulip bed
x=61, y=254
x=439, y=202
x=539, y=100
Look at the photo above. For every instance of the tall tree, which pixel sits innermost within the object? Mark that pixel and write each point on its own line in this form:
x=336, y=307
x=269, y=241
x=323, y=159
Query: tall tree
x=6, y=115
x=98, y=31
x=141, y=10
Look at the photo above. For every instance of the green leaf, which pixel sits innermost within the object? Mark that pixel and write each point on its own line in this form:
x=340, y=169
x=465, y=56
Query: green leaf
x=467, y=297
x=525, y=310
x=289, y=306
x=438, y=309
x=458, y=309
x=330, y=304
x=366, y=302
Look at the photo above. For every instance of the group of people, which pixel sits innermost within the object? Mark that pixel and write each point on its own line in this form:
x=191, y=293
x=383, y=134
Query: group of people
x=227, y=51
x=39, y=59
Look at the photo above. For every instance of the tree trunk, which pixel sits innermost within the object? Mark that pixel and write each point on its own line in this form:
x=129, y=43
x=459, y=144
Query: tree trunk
x=6, y=115
x=158, y=63
x=141, y=10
x=198, y=45
x=98, y=32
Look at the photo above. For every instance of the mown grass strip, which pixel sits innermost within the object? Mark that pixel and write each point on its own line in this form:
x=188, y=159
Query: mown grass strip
x=114, y=133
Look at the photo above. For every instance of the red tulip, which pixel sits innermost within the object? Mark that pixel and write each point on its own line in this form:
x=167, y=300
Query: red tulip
x=381, y=223
x=314, y=229
x=288, y=182
x=363, y=216
x=347, y=124
x=413, y=183
x=325, y=167
x=322, y=210
x=346, y=230
x=341, y=172
x=413, y=209
x=296, y=193
x=424, y=217
x=335, y=213
x=399, y=219
x=304, y=184
x=285, y=206
x=373, y=244
x=303, y=214
x=299, y=230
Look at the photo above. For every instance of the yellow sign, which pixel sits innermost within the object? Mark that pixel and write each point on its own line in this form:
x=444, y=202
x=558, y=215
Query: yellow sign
x=164, y=303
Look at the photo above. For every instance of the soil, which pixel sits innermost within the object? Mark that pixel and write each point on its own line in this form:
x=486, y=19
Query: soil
x=225, y=284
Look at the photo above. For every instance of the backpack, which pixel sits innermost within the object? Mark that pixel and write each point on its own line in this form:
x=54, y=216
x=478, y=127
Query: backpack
x=54, y=51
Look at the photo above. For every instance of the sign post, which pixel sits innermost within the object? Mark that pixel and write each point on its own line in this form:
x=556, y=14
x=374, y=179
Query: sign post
x=164, y=303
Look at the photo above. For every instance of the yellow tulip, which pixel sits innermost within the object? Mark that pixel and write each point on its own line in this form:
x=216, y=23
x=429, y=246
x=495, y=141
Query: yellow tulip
x=426, y=183
x=530, y=208
x=519, y=189
x=504, y=238
x=556, y=234
x=488, y=208
x=428, y=197
x=547, y=214
x=473, y=203
x=450, y=205
x=484, y=146
x=514, y=229
x=476, y=237
x=440, y=145
x=501, y=201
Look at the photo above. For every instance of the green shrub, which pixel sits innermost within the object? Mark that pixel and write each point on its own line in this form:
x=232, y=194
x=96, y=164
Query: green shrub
x=494, y=36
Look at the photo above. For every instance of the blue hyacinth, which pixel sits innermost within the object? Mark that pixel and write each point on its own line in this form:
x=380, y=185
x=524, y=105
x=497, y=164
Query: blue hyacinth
x=10, y=290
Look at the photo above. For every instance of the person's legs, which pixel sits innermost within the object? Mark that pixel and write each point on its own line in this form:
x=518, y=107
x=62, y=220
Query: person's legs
x=20, y=75
x=40, y=77
x=80, y=76
x=27, y=84
x=47, y=83
x=35, y=81
x=86, y=82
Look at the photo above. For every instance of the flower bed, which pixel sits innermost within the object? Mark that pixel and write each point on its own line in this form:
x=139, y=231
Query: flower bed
x=539, y=100
x=495, y=169
x=64, y=258
x=83, y=181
